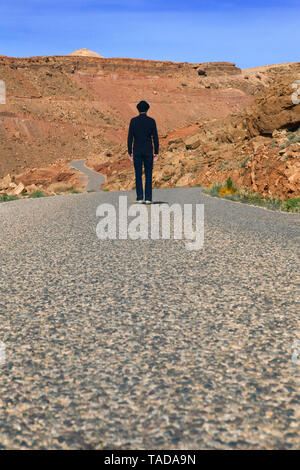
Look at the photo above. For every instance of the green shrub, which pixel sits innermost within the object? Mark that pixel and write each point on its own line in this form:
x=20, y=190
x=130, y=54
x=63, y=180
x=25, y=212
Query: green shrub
x=37, y=193
x=292, y=138
x=5, y=198
x=291, y=205
x=74, y=191
x=213, y=189
x=229, y=183
x=242, y=195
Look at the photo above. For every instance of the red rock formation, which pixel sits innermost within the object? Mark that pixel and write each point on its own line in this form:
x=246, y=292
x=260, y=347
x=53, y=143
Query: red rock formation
x=68, y=107
x=258, y=148
x=63, y=108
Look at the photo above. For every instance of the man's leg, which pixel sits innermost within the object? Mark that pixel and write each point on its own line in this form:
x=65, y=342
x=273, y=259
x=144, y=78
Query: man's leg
x=138, y=168
x=148, y=164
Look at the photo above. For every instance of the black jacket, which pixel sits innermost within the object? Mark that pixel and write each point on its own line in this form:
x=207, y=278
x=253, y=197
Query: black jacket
x=142, y=129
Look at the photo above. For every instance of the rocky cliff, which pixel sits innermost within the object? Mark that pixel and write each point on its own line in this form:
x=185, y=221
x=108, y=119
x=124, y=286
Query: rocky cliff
x=258, y=148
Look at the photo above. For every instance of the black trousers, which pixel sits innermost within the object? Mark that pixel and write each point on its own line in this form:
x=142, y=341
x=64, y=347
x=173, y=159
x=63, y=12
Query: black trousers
x=145, y=160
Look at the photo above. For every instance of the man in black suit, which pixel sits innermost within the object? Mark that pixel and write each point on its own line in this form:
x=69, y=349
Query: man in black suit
x=142, y=129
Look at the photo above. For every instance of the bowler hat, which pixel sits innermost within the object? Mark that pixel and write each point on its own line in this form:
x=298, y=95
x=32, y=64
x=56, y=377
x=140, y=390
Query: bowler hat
x=143, y=106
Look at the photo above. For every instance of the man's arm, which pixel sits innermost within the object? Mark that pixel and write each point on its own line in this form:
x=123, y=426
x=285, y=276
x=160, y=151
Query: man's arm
x=130, y=138
x=155, y=139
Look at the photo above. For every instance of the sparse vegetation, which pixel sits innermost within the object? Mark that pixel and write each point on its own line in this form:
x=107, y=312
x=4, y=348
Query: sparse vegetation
x=5, y=198
x=36, y=194
x=292, y=138
x=74, y=191
x=229, y=184
x=292, y=205
x=228, y=190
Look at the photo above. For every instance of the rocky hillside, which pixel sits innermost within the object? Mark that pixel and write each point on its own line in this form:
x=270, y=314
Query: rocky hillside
x=63, y=108
x=258, y=148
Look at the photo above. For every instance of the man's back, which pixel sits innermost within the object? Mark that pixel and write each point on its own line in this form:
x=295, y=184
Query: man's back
x=142, y=129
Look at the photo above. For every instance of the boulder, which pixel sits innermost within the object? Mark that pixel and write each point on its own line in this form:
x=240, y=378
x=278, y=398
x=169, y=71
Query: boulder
x=192, y=142
x=31, y=188
x=167, y=171
x=186, y=180
x=59, y=187
x=176, y=143
x=5, y=182
x=274, y=109
x=17, y=190
x=175, y=140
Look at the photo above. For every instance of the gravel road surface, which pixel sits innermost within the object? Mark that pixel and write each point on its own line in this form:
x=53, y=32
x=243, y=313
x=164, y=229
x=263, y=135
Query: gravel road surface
x=142, y=344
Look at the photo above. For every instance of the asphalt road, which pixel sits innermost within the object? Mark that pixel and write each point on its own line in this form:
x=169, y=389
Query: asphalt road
x=142, y=344
x=94, y=179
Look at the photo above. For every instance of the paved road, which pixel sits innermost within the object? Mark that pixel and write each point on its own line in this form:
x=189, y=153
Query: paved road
x=94, y=179
x=140, y=343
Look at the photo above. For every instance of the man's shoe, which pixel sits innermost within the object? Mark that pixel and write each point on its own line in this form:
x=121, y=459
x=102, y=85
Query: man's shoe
x=148, y=202
x=139, y=201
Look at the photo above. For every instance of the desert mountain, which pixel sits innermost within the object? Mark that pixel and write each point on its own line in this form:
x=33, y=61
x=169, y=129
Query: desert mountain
x=86, y=53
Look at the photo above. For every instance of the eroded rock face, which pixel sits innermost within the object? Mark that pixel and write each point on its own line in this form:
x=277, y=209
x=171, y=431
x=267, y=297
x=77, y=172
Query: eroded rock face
x=272, y=174
x=193, y=141
x=258, y=148
x=55, y=179
x=218, y=68
x=274, y=109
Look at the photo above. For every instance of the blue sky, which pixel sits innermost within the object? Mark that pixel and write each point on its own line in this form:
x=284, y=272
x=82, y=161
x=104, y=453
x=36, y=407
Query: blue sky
x=249, y=33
